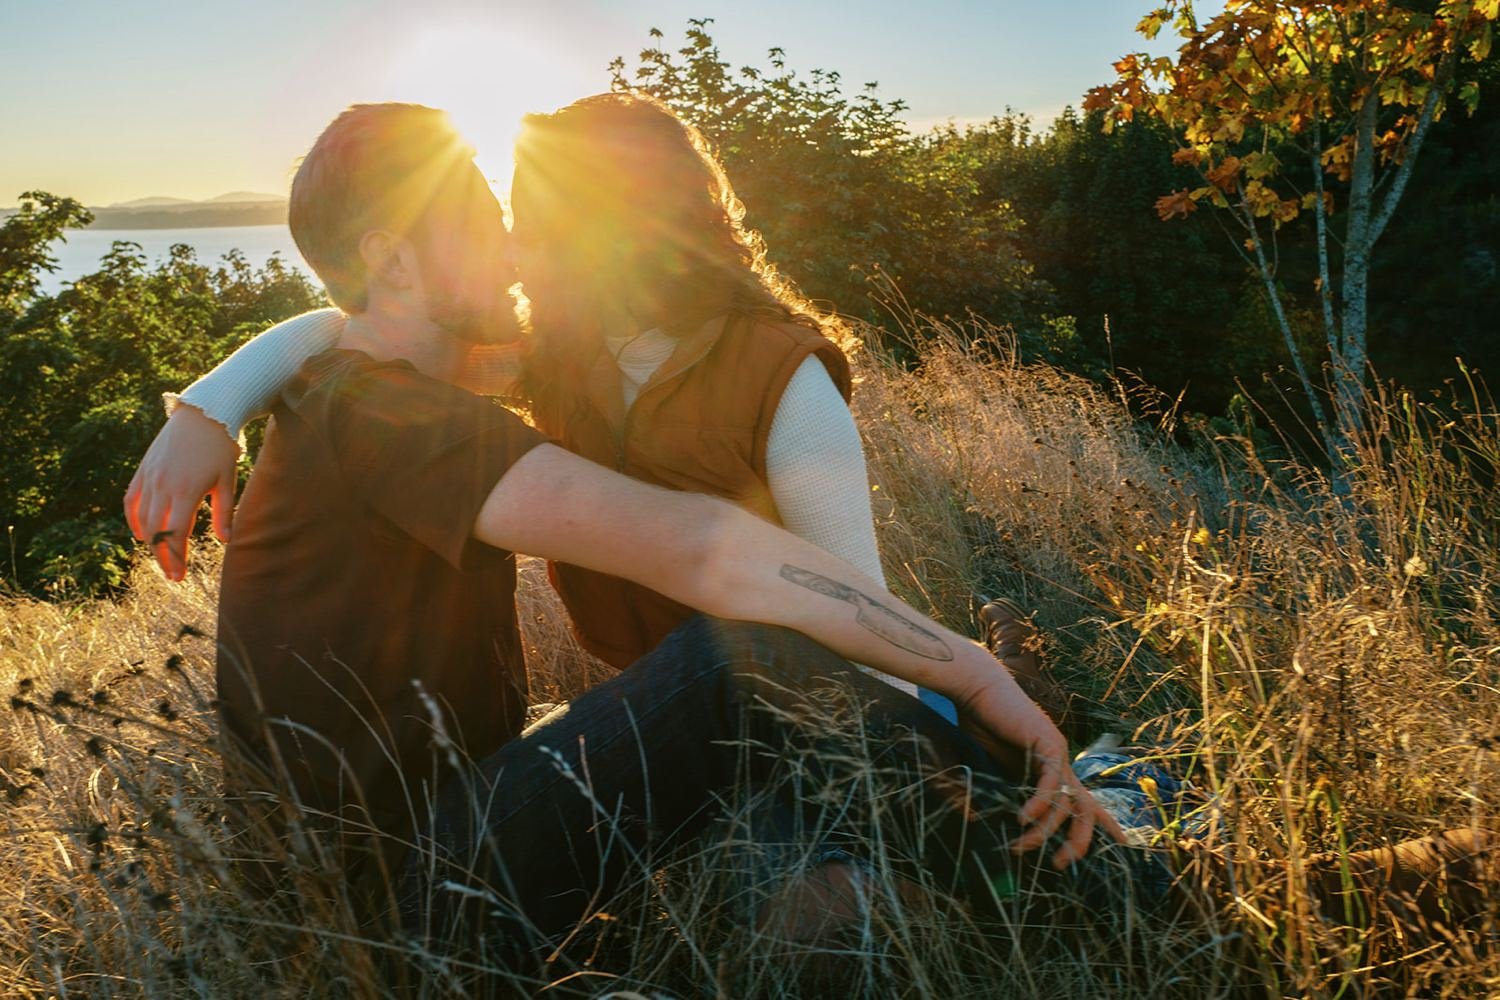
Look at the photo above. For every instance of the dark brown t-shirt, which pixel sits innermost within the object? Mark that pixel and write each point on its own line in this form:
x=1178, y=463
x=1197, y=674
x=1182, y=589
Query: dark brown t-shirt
x=351, y=573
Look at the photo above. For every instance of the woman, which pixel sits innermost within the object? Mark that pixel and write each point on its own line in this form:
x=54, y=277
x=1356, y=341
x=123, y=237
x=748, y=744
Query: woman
x=663, y=345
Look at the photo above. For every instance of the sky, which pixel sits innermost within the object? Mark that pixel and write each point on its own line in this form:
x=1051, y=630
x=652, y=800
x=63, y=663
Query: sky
x=107, y=101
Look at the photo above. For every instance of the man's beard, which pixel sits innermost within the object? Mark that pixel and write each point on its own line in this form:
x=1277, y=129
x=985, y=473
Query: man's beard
x=493, y=321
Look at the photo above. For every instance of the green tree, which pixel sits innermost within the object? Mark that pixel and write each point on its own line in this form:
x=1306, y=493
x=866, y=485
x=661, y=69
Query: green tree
x=1094, y=240
x=24, y=241
x=839, y=188
x=82, y=373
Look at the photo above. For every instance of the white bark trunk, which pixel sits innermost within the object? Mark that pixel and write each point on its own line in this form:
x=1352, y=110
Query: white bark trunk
x=1350, y=361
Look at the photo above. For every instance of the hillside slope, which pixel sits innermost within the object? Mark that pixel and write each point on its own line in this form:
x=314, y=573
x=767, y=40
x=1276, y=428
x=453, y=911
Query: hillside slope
x=1328, y=665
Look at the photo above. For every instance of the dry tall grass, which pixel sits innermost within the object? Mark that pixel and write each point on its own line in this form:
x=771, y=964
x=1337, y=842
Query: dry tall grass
x=1325, y=660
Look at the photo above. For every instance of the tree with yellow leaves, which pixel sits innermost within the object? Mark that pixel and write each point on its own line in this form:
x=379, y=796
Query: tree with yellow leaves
x=1272, y=98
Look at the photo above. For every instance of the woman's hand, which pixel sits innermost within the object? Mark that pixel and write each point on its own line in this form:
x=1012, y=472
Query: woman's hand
x=1012, y=727
x=191, y=457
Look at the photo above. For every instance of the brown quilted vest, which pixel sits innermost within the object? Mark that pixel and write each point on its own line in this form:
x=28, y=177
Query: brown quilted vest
x=700, y=424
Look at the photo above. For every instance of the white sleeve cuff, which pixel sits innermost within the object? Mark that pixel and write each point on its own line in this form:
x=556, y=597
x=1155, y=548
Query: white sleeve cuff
x=170, y=401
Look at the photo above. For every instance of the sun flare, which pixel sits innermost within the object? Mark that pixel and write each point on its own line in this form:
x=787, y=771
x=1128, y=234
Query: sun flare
x=486, y=78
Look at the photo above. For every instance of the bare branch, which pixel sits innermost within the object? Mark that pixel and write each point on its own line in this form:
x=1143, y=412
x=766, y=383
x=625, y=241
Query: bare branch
x=1387, y=209
x=1273, y=298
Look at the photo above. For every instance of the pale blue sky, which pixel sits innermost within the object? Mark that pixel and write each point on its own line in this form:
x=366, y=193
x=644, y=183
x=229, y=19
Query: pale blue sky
x=107, y=100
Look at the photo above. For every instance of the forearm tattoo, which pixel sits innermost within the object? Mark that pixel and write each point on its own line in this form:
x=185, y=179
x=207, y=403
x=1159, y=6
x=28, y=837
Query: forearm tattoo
x=890, y=625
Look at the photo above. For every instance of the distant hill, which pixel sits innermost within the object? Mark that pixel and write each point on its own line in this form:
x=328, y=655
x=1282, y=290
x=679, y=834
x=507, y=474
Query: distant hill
x=238, y=196
x=237, y=208
x=151, y=202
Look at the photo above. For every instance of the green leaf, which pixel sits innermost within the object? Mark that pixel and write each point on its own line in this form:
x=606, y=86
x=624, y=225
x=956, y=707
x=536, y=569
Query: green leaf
x=1396, y=90
x=1469, y=94
x=1150, y=25
x=1259, y=166
x=1479, y=48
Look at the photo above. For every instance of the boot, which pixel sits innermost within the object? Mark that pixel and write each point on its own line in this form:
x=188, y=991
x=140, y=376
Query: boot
x=1013, y=638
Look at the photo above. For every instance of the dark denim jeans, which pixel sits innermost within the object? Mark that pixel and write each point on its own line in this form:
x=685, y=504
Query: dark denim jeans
x=526, y=842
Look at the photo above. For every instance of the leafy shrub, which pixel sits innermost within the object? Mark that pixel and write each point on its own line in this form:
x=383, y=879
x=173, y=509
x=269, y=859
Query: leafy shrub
x=838, y=187
x=82, y=373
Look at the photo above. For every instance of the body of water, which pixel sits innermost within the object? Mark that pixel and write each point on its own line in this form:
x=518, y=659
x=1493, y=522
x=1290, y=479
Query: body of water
x=79, y=254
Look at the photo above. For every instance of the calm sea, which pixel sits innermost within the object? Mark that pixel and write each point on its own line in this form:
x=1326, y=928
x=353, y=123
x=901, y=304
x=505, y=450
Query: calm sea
x=79, y=254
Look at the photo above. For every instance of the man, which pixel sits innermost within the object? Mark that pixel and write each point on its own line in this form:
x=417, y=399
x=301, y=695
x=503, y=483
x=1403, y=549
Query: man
x=366, y=609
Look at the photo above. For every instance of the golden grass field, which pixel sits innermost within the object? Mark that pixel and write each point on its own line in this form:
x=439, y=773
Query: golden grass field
x=1328, y=661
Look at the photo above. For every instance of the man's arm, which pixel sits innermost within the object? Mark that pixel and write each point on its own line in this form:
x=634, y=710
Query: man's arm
x=715, y=557
x=815, y=470
x=194, y=454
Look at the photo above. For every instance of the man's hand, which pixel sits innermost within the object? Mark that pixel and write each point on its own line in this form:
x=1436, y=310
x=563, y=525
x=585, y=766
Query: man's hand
x=191, y=457
x=1011, y=726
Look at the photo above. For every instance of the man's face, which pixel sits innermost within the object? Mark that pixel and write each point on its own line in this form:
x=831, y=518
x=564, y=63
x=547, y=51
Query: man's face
x=465, y=257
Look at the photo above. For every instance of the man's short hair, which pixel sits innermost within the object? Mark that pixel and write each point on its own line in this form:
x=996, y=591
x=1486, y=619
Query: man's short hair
x=376, y=166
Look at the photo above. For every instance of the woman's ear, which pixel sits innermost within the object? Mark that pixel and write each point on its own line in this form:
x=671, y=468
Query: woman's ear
x=385, y=262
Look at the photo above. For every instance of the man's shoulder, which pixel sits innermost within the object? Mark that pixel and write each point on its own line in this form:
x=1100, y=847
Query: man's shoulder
x=344, y=387
x=369, y=414
x=343, y=374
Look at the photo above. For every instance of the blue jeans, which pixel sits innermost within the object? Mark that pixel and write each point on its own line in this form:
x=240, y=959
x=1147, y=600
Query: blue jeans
x=527, y=841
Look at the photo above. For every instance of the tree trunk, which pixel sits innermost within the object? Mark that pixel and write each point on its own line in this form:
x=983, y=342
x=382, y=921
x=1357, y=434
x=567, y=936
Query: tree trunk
x=1320, y=217
x=1366, y=224
x=1352, y=357
x=1353, y=360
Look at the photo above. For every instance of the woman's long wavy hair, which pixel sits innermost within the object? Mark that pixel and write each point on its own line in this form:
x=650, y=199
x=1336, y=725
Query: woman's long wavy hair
x=620, y=203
